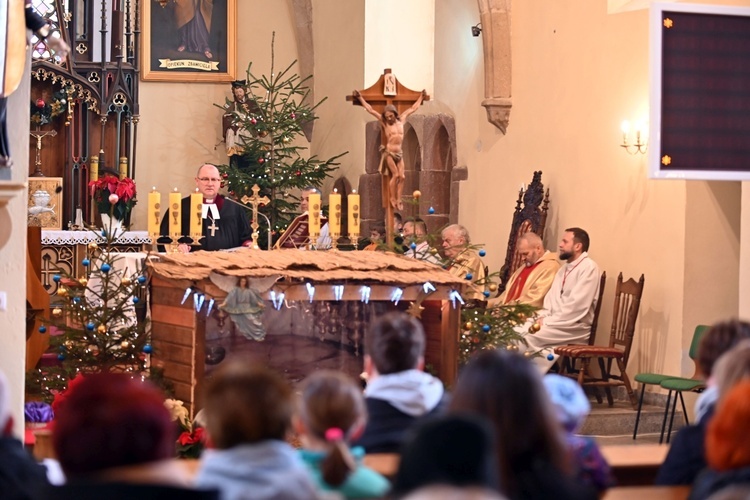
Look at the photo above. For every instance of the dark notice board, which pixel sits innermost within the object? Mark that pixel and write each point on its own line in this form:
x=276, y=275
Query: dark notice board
x=705, y=94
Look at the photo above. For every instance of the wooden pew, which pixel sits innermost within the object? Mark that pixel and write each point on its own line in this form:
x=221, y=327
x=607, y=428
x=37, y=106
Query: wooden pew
x=647, y=493
x=635, y=465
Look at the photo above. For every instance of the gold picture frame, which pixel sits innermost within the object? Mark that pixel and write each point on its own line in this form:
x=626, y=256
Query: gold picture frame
x=45, y=202
x=189, y=41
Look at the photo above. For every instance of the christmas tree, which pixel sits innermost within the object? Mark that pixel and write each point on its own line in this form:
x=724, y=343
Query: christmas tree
x=97, y=321
x=270, y=155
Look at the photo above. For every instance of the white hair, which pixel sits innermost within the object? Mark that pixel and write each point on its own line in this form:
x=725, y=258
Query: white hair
x=460, y=230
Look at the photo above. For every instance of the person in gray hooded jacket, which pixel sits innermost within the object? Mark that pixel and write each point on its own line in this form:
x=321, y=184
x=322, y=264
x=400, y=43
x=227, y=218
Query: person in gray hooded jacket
x=398, y=393
x=248, y=411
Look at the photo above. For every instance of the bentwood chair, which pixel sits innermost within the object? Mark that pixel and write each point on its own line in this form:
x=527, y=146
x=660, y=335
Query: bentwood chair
x=672, y=384
x=627, y=304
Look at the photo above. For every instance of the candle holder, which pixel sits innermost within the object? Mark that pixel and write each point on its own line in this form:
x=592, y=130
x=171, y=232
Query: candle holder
x=354, y=240
x=335, y=241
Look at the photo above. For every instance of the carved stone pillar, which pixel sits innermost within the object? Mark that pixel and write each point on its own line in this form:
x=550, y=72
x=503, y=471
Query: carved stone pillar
x=495, y=18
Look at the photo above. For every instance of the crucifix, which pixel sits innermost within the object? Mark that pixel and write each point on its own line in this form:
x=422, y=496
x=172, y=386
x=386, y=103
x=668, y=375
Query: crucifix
x=38, y=163
x=390, y=103
x=254, y=201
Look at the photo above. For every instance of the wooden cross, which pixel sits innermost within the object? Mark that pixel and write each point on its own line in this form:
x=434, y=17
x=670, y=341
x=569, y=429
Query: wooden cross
x=213, y=227
x=254, y=201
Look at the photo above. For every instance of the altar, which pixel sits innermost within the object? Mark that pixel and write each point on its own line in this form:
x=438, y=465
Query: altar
x=361, y=285
x=64, y=250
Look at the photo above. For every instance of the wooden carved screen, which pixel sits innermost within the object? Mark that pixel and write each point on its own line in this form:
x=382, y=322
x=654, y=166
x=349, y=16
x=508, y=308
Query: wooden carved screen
x=530, y=215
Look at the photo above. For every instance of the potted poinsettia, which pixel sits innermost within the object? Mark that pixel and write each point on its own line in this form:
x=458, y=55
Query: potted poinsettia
x=114, y=197
x=191, y=439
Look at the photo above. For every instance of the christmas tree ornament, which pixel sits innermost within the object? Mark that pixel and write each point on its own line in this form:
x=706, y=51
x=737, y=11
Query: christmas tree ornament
x=85, y=262
x=61, y=357
x=417, y=194
x=56, y=311
x=482, y=252
x=469, y=276
x=148, y=349
x=430, y=210
x=493, y=287
x=141, y=279
x=535, y=328
x=105, y=267
x=101, y=328
x=486, y=328
x=83, y=281
x=511, y=347
x=486, y=294
x=62, y=291
x=468, y=325
x=42, y=329
x=56, y=278
x=125, y=280
x=90, y=326
x=93, y=245
x=124, y=344
x=136, y=300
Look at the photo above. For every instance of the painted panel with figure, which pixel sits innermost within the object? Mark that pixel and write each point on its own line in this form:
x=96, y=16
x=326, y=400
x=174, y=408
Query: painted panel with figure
x=45, y=202
x=189, y=40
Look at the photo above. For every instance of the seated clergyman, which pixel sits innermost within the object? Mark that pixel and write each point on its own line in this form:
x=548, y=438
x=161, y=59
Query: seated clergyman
x=530, y=283
x=464, y=260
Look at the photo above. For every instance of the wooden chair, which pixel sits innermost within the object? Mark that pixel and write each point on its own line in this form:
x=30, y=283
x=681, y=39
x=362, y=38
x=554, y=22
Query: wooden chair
x=627, y=303
x=530, y=215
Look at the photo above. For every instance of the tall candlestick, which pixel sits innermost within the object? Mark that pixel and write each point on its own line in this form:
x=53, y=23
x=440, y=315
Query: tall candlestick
x=354, y=220
x=196, y=216
x=314, y=216
x=334, y=211
x=154, y=213
x=175, y=215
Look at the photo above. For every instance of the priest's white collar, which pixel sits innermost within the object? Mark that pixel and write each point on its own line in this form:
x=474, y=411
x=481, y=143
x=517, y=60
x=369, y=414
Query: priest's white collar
x=206, y=207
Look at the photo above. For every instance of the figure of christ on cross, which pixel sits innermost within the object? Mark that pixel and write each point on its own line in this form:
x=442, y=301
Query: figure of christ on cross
x=392, y=136
x=254, y=201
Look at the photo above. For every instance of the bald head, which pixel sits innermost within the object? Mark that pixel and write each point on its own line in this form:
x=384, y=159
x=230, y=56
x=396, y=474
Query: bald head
x=530, y=248
x=208, y=180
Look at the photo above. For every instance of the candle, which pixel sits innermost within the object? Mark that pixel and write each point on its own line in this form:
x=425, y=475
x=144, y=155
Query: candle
x=154, y=213
x=353, y=200
x=314, y=216
x=196, y=215
x=94, y=168
x=123, y=167
x=175, y=215
x=334, y=209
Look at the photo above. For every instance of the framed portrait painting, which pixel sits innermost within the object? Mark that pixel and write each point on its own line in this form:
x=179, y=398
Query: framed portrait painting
x=44, y=206
x=189, y=40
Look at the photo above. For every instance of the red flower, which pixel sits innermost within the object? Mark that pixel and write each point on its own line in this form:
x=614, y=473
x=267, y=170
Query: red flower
x=188, y=438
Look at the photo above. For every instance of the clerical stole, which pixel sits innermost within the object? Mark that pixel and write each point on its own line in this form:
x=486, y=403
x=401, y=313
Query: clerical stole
x=517, y=286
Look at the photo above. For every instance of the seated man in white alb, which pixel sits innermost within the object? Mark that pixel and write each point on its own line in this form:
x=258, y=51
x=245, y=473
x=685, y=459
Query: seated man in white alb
x=415, y=232
x=299, y=239
x=569, y=305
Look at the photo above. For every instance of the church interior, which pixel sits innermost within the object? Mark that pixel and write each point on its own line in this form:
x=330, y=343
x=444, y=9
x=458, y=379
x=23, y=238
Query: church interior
x=514, y=87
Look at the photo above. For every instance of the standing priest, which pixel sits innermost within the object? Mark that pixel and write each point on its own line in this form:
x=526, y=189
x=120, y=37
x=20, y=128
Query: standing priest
x=225, y=224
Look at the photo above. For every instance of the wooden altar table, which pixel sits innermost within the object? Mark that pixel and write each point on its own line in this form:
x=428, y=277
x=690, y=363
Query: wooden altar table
x=179, y=332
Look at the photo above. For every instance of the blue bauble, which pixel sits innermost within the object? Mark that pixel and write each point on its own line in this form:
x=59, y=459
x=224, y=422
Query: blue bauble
x=148, y=349
x=550, y=357
x=413, y=246
x=486, y=328
x=105, y=268
x=430, y=210
x=86, y=262
x=135, y=300
x=141, y=279
x=469, y=276
x=90, y=326
x=42, y=329
x=60, y=357
x=486, y=293
x=482, y=253
x=76, y=299
x=56, y=278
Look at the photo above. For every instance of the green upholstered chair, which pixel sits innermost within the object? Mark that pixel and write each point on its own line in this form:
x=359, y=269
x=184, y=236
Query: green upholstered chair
x=672, y=384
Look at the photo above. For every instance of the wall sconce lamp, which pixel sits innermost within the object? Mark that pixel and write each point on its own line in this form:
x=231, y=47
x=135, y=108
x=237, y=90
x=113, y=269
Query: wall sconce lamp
x=476, y=30
x=638, y=146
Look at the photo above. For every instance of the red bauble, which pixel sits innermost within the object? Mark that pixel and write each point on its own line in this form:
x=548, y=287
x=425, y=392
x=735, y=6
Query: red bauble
x=221, y=185
x=293, y=116
x=40, y=103
x=261, y=160
x=231, y=193
x=297, y=173
x=224, y=175
x=253, y=121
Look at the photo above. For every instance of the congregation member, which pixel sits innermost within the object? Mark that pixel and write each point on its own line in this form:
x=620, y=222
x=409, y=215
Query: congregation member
x=248, y=411
x=20, y=475
x=398, y=392
x=686, y=456
x=570, y=303
x=225, y=223
x=415, y=241
x=331, y=411
x=506, y=388
x=571, y=408
x=434, y=448
x=727, y=446
x=115, y=439
x=464, y=261
x=530, y=283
